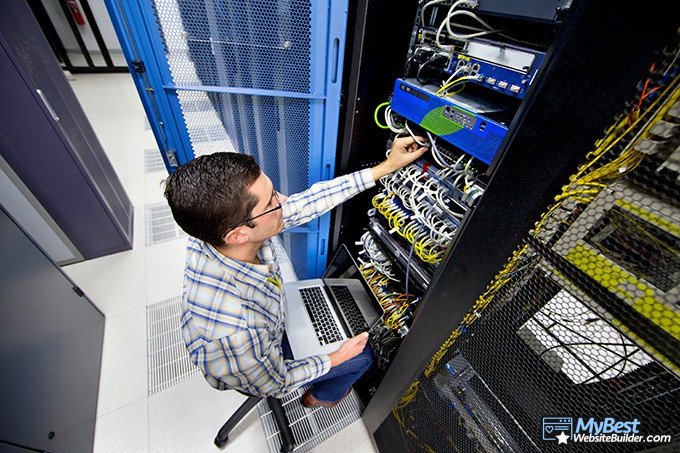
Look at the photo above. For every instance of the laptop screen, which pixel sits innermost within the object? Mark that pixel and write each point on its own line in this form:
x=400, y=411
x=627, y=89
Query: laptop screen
x=343, y=266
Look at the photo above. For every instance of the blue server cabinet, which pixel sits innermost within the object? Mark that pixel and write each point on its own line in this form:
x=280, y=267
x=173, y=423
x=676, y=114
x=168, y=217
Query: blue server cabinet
x=259, y=77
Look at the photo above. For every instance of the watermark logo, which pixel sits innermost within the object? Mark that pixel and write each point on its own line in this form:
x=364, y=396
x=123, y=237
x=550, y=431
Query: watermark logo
x=557, y=428
x=577, y=430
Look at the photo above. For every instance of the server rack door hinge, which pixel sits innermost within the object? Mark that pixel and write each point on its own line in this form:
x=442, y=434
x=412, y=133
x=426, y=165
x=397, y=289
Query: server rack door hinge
x=138, y=65
x=171, y=154
x=78, y=291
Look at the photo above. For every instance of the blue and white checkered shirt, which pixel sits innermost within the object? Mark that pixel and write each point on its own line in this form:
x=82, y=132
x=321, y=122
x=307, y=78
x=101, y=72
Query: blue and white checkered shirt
x=234, y=312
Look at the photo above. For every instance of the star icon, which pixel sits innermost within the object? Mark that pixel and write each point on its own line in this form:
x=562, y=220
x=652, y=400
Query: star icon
x=562, y=438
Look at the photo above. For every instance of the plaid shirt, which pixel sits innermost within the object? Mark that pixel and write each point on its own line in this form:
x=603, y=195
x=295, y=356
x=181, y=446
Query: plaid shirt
x=234, y=312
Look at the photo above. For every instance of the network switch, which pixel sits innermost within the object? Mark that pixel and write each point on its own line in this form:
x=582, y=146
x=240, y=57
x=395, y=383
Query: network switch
x=461, y=119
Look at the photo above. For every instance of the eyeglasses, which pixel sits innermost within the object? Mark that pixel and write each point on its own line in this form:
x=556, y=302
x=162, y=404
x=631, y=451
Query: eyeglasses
x=268, y=211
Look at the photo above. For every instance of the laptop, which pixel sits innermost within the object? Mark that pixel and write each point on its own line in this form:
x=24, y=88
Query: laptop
x=323, y=313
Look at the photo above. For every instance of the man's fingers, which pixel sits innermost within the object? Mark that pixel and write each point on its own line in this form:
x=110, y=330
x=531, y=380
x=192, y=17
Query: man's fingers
x=410, y=144
x=359, y=340
x=361, y=337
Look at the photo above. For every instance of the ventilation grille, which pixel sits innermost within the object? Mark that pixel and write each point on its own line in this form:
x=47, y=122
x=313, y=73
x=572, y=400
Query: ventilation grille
x=153, y=162
x=160, y=226
x=168, y=361
x=310, y=426
x=210, y=133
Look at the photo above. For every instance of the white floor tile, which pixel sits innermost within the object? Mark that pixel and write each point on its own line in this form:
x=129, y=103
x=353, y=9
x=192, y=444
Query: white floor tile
x=124, y=147
x=115, y=283
x=165, y=270
x=153, y=185
x=123, y=379
x=135, y=188
x=124, y=430
x=186, y=418
x=148, y=140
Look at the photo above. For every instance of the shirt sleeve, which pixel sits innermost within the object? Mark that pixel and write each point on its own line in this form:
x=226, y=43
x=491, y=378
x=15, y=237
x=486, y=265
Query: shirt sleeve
x=254, y=362
x=323, y=196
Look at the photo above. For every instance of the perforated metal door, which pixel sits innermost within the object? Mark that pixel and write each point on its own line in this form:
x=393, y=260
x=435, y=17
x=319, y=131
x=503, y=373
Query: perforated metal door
x=257, y=77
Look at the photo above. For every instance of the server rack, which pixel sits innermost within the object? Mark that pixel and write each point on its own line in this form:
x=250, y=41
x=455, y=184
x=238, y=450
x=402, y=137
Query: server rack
x=583, y=59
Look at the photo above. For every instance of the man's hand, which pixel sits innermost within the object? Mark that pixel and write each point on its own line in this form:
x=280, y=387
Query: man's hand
x=404, y=151
x=350, y=348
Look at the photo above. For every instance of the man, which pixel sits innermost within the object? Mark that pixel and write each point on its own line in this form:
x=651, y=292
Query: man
x=233, y=304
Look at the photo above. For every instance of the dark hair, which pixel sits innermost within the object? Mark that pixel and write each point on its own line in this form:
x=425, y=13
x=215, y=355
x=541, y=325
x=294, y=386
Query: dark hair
x=209, y=194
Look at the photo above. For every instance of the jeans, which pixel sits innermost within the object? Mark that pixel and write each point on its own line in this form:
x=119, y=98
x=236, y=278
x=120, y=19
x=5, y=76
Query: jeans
x=334, y=385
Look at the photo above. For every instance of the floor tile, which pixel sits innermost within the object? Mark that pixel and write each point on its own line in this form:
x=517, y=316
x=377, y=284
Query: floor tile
x=135, y=188
x=153, y=187
x=165, y=270
x=123, y=379
x=115, y=283
x=186, y=418
x=124, y=430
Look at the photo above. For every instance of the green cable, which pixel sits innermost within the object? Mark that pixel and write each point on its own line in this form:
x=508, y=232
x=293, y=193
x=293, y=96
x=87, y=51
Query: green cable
x=375, y=115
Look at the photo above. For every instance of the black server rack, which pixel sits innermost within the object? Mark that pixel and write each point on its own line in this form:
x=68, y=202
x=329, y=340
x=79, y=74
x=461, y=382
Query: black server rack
x=473, y=251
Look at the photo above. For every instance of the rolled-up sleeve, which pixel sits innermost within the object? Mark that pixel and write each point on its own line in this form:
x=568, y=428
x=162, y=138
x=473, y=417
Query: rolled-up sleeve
x=323, y=196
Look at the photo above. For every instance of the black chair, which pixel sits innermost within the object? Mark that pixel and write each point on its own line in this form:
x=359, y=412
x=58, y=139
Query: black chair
x=288, y=442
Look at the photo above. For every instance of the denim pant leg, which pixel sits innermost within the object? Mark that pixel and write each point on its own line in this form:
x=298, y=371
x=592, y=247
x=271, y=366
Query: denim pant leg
x=332, y=386
x=335, y=384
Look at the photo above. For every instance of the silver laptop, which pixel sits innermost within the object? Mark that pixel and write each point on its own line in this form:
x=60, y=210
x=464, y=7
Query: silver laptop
x=323, y=313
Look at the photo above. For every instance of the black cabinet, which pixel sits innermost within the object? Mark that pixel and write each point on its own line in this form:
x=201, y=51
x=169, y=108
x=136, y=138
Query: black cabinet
x=589, y=73
x=50, y=351
x=49, y=144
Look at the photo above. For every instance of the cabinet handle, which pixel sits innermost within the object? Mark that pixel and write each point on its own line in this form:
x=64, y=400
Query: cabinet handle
x=47, y=104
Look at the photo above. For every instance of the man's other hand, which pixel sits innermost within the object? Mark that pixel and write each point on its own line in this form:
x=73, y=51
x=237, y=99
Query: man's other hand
x=350, y=348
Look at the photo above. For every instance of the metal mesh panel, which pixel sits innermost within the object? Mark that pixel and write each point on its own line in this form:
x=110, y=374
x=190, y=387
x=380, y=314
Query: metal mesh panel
x=273, y=130
x=299, y=243
x=204, y=124
x=577, y=340
x=267, y=44
x=254, y=45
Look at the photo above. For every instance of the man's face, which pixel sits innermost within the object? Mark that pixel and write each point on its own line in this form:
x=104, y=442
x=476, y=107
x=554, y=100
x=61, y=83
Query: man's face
x=271, y=224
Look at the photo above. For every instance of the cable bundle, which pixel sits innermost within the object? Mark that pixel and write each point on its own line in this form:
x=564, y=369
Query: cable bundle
x=462, y=8
x=383, y=341
x=415, y=205
x=376, y=259
x=397, y=310
x=622, y=137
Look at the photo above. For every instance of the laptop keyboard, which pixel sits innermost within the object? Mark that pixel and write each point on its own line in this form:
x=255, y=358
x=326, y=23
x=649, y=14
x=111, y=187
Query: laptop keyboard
x=324, y=325
x=348, y=305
